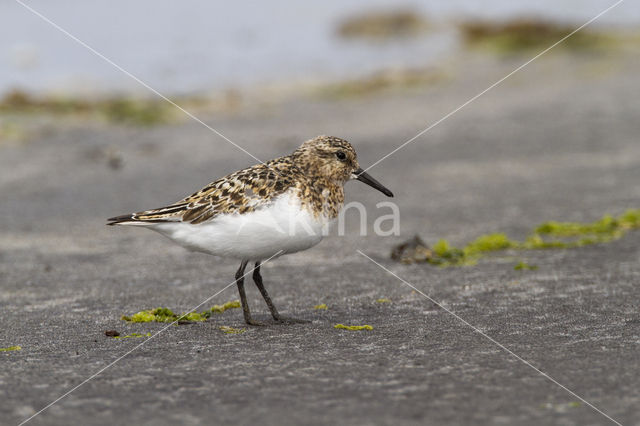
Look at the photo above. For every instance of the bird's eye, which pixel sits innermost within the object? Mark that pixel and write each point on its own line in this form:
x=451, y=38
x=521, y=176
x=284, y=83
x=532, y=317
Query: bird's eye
x=341, y=155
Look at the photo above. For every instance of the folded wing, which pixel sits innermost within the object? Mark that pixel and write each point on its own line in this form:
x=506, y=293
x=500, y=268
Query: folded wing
x=239, y=192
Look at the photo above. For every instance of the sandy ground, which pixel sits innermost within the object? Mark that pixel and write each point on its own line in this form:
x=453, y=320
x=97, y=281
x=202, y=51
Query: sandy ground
x=558, y=141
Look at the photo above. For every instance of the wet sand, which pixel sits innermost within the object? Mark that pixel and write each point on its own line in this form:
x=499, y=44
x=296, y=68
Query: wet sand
x=558, y=141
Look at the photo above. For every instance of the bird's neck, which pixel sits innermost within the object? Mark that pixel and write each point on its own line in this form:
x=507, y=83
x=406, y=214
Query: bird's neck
x=323, y=197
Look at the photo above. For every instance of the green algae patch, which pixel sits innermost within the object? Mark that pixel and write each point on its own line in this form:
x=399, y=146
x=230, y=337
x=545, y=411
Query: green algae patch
x=218, y=309
x=536, y=242
x=606, y=228
x=195, y=316
x=166, y=315
x=443, y=249
x=383, y=300
x=353, y=327
x=11, y=348
x=230, y=330
x=380, y=82
x=490, y=242
x=445, y=254
x=153, y=315
x=448, y=255
x=526, y=34
x=383, y=25
x=524, y=266
x=140, y=112
x=630, y=219
x=548, y=235
x=133, y=335
x=576, y=234
x=321, y=307
x=117, y=110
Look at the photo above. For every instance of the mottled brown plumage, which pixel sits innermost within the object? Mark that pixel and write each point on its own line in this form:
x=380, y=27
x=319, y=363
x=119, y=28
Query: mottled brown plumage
x=312, y=172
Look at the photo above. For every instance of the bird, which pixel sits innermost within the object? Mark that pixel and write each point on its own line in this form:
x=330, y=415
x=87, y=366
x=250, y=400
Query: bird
x=273, y=208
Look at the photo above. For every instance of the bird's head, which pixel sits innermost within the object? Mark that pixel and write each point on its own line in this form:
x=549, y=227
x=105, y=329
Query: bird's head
x=334, y=159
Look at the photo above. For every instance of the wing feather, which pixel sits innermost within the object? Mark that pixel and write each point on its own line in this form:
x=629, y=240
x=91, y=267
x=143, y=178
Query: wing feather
x=239, y=192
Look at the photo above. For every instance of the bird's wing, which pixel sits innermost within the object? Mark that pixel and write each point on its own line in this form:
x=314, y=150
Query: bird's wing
x=240, y=192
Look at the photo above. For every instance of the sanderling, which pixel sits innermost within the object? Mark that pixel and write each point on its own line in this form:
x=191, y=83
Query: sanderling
x=274, y=208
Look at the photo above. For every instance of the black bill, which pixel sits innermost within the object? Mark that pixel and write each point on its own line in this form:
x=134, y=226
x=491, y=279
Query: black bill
x=363, y=176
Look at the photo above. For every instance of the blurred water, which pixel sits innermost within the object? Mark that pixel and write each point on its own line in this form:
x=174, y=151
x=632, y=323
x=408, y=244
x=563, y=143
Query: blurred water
x=195, y=45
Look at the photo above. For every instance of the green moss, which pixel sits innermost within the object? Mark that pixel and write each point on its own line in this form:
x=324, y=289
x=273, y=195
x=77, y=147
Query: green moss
x=630, y=219
x=153, y=315
x=382, y=25
x=195, y=316
x=490, y=242
x=445, y=254
x=442, y=248
x=574, y=404
x=168, y=316
x=145, y=316
x=230, y=330
x=144, y=112
x=218, y=309
x=353, y=327
x=535, y=242
x=606, y=225
x=136, y=112
x=576, y=234
x=548, y=235
x=133, y=335
x=522, y=266
x=382, y=81
x=525, y=34
x=322, y=306
x=11, y=348
x=383, y=300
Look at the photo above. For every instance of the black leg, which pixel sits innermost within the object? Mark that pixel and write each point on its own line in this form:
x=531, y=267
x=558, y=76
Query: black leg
x=257, y=278
x=243, y=296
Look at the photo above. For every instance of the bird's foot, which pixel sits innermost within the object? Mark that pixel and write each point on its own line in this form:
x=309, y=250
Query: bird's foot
x=251, y=321
x=288, y=320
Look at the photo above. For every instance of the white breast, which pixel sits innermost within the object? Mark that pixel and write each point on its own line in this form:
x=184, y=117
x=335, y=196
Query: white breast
x=280, y=226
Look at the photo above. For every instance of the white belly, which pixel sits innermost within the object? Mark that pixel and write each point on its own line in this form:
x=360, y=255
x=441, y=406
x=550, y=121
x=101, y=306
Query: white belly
x=280, y=227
